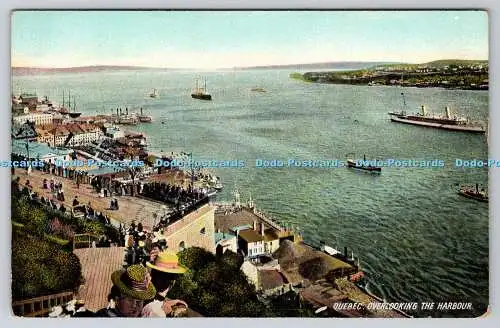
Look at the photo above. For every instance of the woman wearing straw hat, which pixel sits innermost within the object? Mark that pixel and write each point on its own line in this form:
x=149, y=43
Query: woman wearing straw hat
x=165, y=270
x=131, y=287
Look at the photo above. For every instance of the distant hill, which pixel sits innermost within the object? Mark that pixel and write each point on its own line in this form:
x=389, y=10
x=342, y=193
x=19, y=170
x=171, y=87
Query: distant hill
x=82, y=69
x=327, y=65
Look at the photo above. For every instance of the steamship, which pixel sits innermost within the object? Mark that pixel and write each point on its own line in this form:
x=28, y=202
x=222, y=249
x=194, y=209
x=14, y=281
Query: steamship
x=446, y=122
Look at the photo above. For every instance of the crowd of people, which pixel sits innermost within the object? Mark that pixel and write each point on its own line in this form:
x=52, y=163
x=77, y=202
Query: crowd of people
x=56, y=188
x=165, y=192
x=53, y=202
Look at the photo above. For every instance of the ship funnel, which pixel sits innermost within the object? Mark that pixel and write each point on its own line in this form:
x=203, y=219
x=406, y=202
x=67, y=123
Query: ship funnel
x=422, y=110
x=447, y=109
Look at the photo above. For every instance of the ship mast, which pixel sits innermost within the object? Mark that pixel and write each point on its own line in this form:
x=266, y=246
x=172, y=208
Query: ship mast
x=404, y=103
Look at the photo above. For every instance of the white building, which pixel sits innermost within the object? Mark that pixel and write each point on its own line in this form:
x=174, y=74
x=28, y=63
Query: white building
x=36, y=117
x=83, y=134
x=114, y=133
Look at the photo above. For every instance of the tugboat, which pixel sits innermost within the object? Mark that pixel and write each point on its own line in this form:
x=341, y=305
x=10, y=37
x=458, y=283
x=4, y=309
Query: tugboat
x=201, y=93
x=469, y=192
x=144, y=118
x=446, y=122
x=370, y=168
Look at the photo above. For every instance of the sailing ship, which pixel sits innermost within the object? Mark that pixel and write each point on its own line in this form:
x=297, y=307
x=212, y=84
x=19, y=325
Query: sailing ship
x=201, y=93
x=370, y=168
x=144, y=118
x=446, y=122
x=473, y=193
x=154, y=93
x=67, y=111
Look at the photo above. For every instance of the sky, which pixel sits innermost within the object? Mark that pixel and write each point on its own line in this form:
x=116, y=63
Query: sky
x=225, y=39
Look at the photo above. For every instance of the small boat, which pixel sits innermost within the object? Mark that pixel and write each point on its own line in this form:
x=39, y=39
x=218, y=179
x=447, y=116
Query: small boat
x=218, y=185
x=154, y=93
x=469, y=192
x=258, y=89
x=201, y=93
x=370, y=168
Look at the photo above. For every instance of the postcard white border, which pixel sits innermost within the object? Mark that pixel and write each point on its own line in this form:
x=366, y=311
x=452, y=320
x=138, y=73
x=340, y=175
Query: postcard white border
x=491, y=5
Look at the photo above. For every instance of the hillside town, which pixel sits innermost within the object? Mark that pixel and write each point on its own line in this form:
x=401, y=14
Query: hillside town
x=451, y=75
x=102, y=219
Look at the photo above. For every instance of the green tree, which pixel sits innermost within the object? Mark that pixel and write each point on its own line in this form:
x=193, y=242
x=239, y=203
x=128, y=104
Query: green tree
x=196, y=258
x=217, y=287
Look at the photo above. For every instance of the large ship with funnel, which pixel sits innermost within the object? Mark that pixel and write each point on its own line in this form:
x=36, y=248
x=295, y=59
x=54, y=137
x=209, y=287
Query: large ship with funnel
x=447, y=122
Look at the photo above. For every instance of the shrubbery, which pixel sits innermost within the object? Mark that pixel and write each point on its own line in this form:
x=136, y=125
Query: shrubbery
x=216, y=287
x=41, y=268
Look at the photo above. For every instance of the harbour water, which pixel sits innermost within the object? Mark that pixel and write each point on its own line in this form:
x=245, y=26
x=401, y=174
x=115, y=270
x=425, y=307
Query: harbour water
x=418, y=240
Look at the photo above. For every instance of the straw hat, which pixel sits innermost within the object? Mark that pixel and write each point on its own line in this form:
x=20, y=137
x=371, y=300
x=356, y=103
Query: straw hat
x=167, y=261
x=134, y=282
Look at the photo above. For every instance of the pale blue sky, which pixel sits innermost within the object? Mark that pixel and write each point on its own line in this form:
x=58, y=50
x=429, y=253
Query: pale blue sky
x=227, y=39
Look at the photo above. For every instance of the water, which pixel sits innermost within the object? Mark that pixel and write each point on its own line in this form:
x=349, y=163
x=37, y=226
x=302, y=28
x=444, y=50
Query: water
x=417, y=239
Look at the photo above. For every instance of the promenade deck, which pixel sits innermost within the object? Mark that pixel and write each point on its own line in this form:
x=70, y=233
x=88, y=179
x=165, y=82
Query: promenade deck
x=135, y=209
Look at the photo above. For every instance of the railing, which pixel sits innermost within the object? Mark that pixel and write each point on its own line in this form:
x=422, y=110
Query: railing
x=40, y=306
x=85, y=238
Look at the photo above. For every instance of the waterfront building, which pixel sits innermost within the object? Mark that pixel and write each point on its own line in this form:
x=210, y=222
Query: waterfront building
x=267, y=278
x=39, y=151
x=82, y=134
x=28, y=99
x=224, y=242
x=194, y=229
x=114, y=133
x=38, y=118
x=250, y=243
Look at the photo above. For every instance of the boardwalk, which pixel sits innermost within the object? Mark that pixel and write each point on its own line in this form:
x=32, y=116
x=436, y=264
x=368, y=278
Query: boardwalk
x=97, y=266
x=131, y=208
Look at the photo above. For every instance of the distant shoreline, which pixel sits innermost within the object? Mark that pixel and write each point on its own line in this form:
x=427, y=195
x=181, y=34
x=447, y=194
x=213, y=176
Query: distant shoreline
x=447, y=74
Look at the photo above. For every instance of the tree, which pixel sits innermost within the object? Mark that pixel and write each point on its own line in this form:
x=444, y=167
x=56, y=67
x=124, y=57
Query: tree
x=196, y=258
x=217, y=287
x=133, y=172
